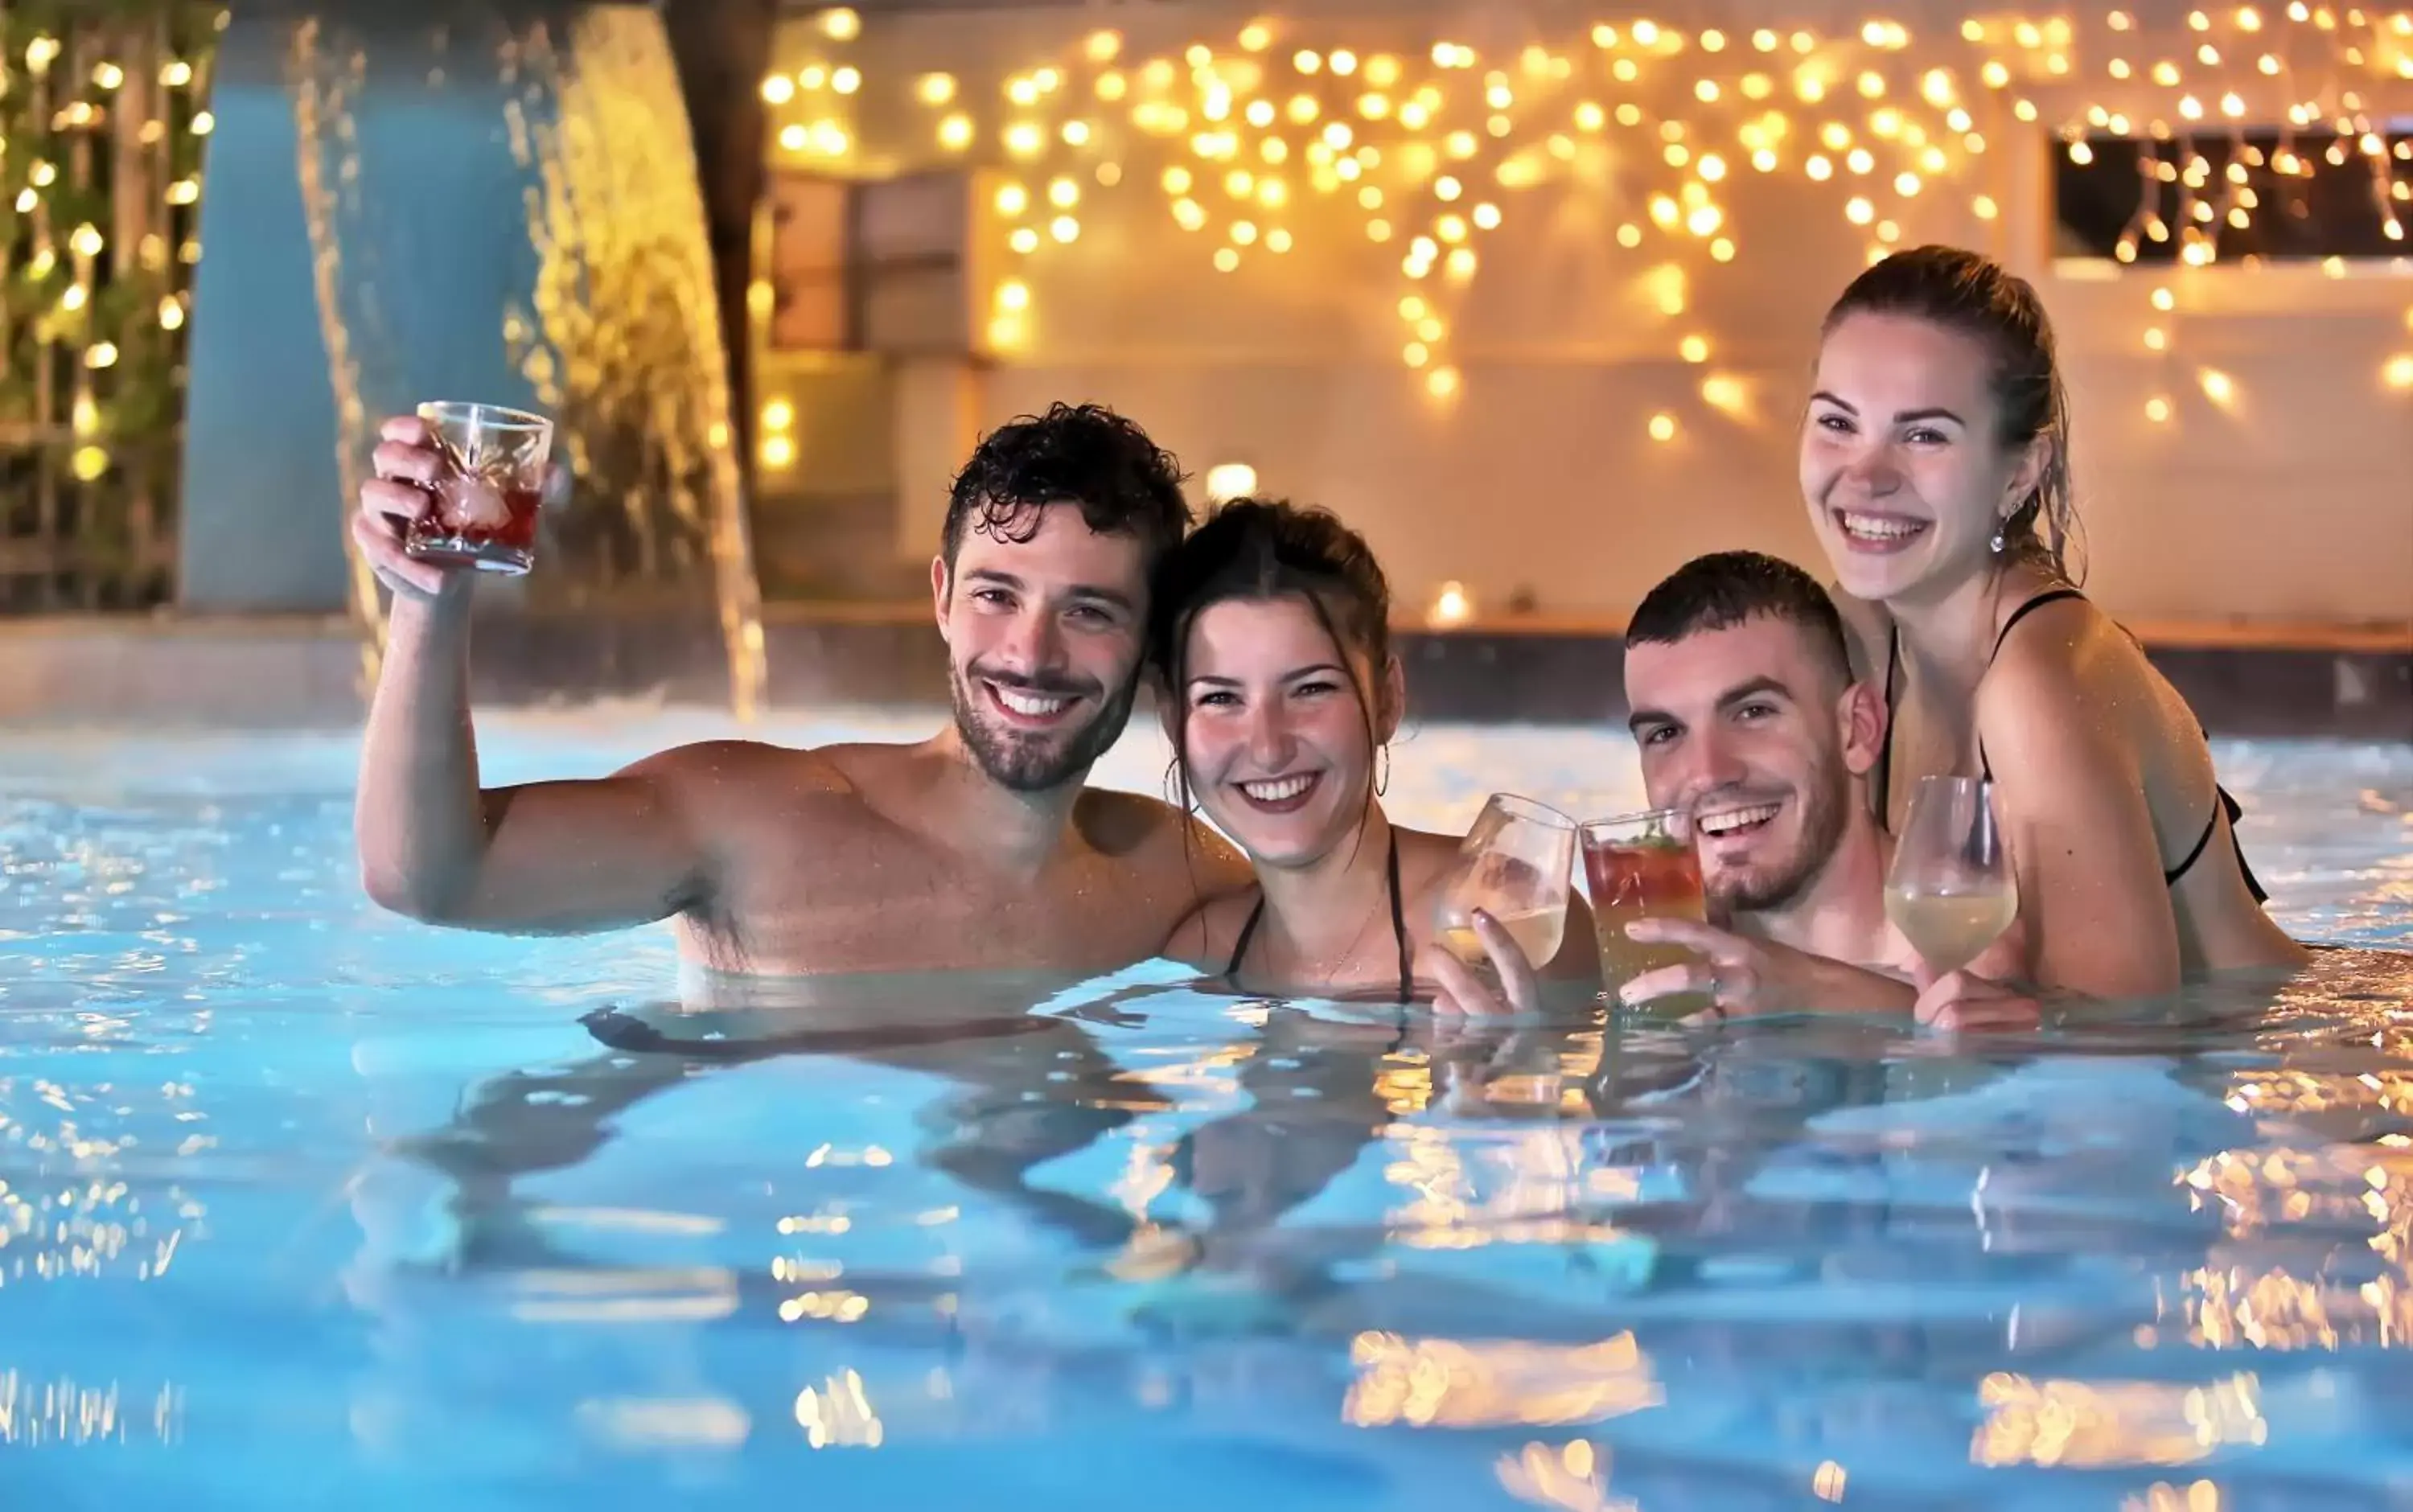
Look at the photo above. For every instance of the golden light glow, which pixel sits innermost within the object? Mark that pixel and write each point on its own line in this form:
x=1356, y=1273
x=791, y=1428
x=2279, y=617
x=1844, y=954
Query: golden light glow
x=1450, y=1384
x=1229, y=480
x=1403, y=151
x=2089, y=1424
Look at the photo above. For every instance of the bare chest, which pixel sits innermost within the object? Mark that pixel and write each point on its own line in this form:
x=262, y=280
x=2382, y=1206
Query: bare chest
x=888, y=901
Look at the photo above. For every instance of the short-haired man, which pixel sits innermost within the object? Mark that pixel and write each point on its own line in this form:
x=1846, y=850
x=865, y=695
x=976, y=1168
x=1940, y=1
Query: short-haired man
x=1743, y=704
x=979, y=848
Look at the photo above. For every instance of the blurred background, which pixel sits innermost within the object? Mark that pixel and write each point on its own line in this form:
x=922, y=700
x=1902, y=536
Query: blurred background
x=1527, y=292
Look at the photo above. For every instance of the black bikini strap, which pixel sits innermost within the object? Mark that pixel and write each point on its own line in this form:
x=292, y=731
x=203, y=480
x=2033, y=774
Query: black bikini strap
x=1399, y=932
x=1240, y=946
x=2229, y=804
x=1400, y=926
x=2047, y=596
x=2174, y=873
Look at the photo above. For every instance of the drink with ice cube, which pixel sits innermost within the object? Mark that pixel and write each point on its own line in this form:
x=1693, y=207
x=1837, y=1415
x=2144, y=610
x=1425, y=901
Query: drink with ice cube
x=482, y=510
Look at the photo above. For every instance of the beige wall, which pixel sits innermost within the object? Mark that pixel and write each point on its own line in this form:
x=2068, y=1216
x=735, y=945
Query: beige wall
x=2294, y=503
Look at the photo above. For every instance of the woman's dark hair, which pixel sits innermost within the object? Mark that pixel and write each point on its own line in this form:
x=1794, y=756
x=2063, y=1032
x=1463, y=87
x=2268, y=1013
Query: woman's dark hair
x=1260, y=550
x=1964, y=292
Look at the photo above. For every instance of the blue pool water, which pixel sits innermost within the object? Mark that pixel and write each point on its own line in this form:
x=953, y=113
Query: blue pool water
x=304, y=1206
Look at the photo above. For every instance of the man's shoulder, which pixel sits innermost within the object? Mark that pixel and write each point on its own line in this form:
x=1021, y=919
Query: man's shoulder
x=736, y=781
x=1119, y=823
x=739, y=761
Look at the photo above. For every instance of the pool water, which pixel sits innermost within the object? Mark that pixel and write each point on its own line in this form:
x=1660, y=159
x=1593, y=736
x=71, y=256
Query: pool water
x=303, y=1204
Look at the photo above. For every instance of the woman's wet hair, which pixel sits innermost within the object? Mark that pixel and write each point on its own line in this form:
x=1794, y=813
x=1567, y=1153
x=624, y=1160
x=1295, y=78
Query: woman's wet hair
x=1259, y=551
x=1962, y=290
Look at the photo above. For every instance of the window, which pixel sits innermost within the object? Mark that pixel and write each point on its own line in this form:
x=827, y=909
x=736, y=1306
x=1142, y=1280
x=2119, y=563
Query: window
x=2254, y=193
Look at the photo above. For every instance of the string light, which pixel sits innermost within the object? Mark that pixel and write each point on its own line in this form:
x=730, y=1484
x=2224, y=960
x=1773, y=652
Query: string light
x=1423, y=150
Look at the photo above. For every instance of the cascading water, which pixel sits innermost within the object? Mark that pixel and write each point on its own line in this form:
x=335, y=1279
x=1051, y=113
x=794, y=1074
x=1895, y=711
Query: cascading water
x=613, y=331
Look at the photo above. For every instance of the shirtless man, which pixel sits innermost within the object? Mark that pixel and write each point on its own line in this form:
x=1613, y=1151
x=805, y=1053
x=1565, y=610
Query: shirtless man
x=979, y=848
x=1743, y=703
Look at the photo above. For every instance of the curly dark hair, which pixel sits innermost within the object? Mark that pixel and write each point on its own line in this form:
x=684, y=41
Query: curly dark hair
x=1257, y=550
x=1970, y=293
x=1082, y=454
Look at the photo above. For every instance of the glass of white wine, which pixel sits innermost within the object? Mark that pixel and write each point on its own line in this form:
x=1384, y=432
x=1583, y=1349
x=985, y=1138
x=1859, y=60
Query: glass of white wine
x=1951, y=890
x=1516, y=865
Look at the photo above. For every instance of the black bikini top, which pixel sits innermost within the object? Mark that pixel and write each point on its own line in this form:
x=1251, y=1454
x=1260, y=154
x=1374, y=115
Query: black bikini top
x=2222, y=803
x=1399, y=932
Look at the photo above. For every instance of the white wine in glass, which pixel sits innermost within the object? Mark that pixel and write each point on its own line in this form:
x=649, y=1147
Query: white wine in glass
x=1515, y=864
x=1951, y=890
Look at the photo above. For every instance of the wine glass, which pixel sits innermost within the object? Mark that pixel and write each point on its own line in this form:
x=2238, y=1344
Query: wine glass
x=1515, y=864
x=1951, y=889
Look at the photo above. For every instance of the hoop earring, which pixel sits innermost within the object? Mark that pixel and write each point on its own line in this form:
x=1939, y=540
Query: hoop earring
x=1382, y=782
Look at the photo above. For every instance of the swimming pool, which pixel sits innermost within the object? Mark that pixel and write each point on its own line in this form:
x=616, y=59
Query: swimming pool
x=301, y=1205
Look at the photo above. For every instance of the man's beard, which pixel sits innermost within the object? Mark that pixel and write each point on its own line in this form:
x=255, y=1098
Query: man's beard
x=1825, y=797
x=1023, y=761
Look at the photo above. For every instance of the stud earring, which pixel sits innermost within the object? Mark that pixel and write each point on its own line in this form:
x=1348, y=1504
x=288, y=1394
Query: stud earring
x=1998, y=543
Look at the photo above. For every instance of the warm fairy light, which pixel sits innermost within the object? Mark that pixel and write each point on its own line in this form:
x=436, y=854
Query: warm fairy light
x=841, y=24
x=779, y=89
x=1229, y=480
x=1452, y=605
x=1663, y=427
x=1409, y=153
x=2218, y=387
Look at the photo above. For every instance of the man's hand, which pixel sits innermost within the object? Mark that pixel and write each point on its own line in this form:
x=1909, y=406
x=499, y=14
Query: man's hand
x=402, y=494
x=1967, y=1004
x=1463, y=990
x=1742, y=977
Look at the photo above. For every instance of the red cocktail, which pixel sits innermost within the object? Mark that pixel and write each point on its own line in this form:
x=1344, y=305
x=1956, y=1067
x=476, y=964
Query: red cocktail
x=482, y=512
x=1640, y=866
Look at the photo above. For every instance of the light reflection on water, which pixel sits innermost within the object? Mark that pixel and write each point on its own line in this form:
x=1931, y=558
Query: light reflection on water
x=268, y=1156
